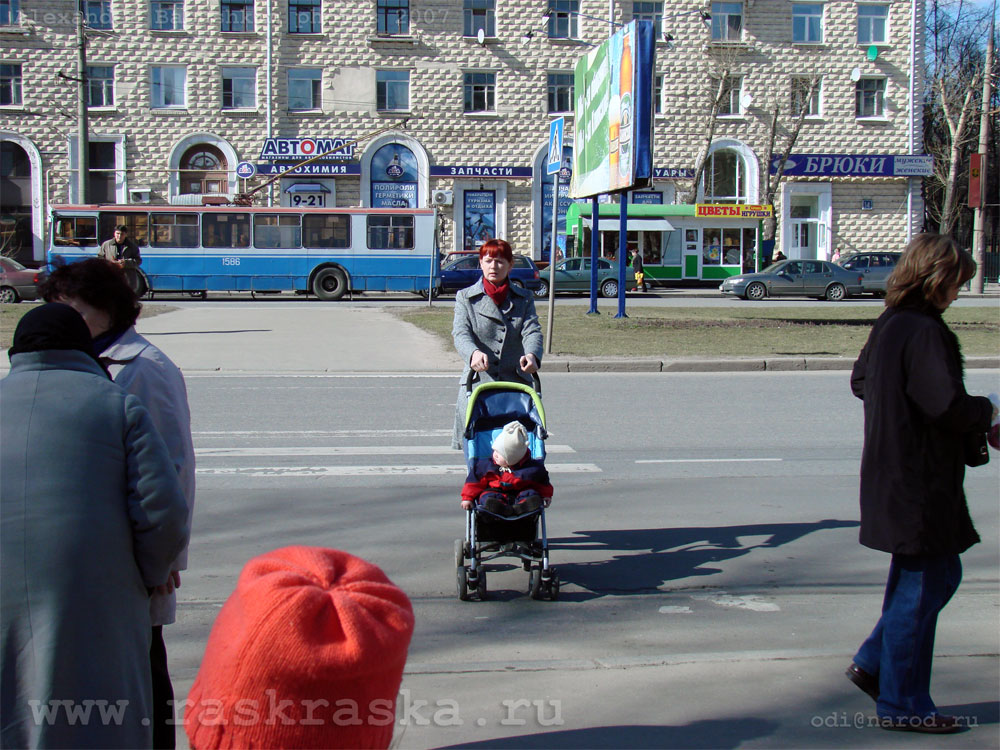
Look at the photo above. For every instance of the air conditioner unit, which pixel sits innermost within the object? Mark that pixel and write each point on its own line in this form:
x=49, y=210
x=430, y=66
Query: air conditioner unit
x=443, y=197
x=139, y=194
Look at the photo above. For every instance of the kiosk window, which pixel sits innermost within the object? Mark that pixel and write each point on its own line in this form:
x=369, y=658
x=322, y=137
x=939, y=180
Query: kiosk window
x=327, y=231
x=671, y=250
x=174, y=230
x=225, y=230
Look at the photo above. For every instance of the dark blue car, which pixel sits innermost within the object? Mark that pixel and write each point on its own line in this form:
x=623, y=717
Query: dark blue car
x=464, y=272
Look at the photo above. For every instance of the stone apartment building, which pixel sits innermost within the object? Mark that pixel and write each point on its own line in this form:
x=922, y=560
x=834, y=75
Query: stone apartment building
x=183, y=92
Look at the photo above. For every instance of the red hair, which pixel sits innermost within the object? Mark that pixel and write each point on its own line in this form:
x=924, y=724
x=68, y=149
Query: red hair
x=497, y=248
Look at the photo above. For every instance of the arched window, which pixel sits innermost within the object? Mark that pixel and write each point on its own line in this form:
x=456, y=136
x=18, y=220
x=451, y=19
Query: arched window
x=204, y=170
x=15, y=197
x=725, y=178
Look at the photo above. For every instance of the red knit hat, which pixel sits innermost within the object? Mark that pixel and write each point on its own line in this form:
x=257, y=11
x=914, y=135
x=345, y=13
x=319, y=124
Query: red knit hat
x=308, y=652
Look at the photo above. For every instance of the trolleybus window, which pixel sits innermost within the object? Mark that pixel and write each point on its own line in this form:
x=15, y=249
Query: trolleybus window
x=76, y=231
x=136, y=223
x=174, y=230
x=390, y=232
x=271, y=230
x=327, y=230
x=225, y=230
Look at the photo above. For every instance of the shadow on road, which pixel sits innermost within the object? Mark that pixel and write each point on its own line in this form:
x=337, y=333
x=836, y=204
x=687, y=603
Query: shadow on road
x=713, y=733
x=673, y=553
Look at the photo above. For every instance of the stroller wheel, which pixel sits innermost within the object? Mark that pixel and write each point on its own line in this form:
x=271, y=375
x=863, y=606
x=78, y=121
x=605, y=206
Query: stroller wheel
x=459, y=553
x=462, y=583
x=535, y=582
x=481, y=585
x=554, y=587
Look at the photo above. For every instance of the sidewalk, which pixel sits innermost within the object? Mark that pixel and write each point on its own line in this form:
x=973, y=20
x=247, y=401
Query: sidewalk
x=312, y=339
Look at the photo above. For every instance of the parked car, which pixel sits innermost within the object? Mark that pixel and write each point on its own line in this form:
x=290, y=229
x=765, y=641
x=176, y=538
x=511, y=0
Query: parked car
x=17, y=282
x=573, y=275
x=873, y=267
x=456, y=254
x=796, y=278
x=464, y=271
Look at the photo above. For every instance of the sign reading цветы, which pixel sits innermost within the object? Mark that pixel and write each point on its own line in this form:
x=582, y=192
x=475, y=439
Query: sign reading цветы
x=733, y=211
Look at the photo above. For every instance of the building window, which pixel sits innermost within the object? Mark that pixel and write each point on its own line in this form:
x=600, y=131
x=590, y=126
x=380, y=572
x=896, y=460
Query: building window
x=480, y=92
x=392, y=90
x=872, y=23
x=727, y=22
x=869, y=97
x=237, y=15
x=646, y=11
x=10, y=11
x=393, y=16
x=658, y=94
x=729, y=102
x=805, y=95
x=168, y=86
x=103, y=173
x=807, y=23
x=101, y=85
x=96, y=13
x=480, y=15
x=166, y=15
x=560, y=92
x=304, y=17
x=725, y=178
x=203, y=169
x=10, y=84
x=563, y=16
x=304, y=89
x=239, y=88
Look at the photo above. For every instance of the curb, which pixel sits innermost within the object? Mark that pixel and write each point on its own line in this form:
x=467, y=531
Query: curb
x=770, y=364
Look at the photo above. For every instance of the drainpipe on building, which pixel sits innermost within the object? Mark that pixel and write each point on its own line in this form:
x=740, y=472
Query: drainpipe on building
x=911, y=181
x=269, y=88
x=82, y=139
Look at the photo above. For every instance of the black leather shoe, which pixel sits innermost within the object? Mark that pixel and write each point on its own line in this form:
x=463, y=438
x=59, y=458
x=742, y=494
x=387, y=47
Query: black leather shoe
x=528, y=505
x=865, y=681
x=933, y=724
x=496, y=507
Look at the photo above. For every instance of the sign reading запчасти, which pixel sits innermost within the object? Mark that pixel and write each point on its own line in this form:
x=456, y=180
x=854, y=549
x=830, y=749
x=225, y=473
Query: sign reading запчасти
x=856, y=165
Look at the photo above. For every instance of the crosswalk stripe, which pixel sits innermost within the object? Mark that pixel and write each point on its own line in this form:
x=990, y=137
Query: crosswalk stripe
x=357, y=471
x=347, y=450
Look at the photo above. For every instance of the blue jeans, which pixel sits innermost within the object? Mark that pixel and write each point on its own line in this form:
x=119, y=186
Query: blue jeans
x=901, y=647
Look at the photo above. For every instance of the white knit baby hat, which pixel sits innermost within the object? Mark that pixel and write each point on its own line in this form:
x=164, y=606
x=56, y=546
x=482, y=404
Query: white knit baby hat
x=511, y=442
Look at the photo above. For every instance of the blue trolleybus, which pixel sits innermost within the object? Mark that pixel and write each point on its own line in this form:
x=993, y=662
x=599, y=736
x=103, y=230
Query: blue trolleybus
x=201, y=249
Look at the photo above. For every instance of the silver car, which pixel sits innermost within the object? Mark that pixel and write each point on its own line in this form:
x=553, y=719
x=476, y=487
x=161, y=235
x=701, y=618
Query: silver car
x=795, y=278
x=874, y=269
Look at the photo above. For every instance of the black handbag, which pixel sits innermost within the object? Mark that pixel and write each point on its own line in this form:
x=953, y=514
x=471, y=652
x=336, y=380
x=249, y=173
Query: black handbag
x=976, y=451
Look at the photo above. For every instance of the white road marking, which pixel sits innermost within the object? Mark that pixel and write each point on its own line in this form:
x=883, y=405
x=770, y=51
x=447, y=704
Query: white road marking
x=321, y=433
x=358, y=471
x=747, y=601
x=349, y=450
x=675, y=610
x=701, y=460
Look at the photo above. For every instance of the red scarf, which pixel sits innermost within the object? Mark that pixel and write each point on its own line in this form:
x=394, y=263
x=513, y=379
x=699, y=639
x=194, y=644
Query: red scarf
x=496, y=293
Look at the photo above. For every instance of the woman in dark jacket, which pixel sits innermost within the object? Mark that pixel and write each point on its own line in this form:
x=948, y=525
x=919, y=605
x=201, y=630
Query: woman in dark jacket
x=917, y=415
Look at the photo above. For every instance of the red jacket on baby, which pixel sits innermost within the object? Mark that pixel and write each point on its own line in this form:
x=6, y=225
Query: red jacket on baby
x=527, y=474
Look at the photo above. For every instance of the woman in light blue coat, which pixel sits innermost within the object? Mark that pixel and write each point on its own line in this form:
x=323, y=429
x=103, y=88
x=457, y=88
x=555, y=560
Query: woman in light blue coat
x=92, y=516
x=496, y=329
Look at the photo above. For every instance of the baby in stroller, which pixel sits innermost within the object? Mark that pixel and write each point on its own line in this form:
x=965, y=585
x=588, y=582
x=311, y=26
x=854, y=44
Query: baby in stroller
x=509, y=482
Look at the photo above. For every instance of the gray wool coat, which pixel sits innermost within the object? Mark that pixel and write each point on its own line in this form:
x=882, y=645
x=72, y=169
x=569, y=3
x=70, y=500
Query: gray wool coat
x=505, y=336
x=91, y=516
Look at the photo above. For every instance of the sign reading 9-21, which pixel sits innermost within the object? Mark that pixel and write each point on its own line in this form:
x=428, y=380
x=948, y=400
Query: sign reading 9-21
x=613, y=113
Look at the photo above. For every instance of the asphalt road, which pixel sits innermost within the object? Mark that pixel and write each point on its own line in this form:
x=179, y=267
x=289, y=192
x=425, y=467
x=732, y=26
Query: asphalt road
x=704, y=526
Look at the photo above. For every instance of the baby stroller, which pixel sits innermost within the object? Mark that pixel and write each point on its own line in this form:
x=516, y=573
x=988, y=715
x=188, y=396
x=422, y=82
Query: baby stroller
x=488, y=536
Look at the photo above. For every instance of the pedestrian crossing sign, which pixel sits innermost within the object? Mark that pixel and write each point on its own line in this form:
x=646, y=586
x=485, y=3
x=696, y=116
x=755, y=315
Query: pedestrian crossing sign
x=555, y=146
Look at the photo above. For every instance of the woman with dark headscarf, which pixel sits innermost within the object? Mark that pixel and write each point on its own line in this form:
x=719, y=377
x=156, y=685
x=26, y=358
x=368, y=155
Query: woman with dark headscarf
x=91, y=517
x=917, y=416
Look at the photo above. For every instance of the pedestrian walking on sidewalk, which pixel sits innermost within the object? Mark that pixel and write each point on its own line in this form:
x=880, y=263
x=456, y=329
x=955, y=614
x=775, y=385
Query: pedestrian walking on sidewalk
x=640, y=275
x=917, y=419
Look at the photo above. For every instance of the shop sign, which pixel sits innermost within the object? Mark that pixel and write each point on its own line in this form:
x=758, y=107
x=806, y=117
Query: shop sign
x=314, y=169
x=394, y=177
x=732, y=211
x=394, y=194
x=651, y=198
x=855, y=165
x=307, y=148
x=673, y=173
x=479, y=218
x=482, y=171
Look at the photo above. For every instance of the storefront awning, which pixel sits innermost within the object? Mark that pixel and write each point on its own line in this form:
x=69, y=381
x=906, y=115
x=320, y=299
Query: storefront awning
x=307, y=187
x=634, y=225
